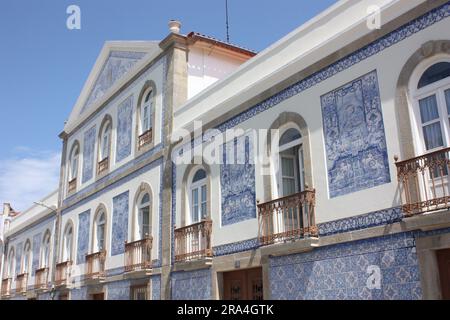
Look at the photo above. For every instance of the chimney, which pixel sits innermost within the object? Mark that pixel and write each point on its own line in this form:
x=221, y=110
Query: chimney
x=6, y=209
x=174, y=26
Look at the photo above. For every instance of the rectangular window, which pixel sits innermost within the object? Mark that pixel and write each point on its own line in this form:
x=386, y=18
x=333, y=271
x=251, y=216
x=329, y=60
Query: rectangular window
x=145, y=222
x=204, y=201
x=194, y=205
x=429, y=109
x=447, y=99
x=145, y=119
x=288, y=175
x=432, y=131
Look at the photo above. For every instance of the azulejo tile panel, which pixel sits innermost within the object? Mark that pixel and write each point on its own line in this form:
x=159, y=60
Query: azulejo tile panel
x=120, y=223
x=83, y=236
x=380, y=268
x=36, y=250
x=79, y=293
x=192, y=285
x=119, y=290
x=237, y=178
x=354, y=137
x=117, y=65
x=88, y=154
x=156, y=287
x=124, y=129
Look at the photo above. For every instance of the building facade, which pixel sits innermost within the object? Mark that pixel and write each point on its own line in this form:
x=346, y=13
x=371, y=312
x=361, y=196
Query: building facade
x=196, y=169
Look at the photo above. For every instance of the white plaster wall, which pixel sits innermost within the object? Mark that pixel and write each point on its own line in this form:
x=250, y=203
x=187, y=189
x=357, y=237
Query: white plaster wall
x=157, y=76
x=152, y=178
x=388, y=64
x=205, y=67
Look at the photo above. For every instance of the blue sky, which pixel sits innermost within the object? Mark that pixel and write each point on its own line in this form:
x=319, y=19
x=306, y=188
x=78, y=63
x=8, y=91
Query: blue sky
x=44, y=65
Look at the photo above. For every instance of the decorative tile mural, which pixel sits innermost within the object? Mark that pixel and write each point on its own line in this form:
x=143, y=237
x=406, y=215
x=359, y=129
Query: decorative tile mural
x=117, y=65
x=83, y=236
x=88, y=154
x=36, y=250
x=119, y=290
x=354, y=137
x=79, y=294
x=191, y=285
x=383, y=268
x=237, y=179
x=18, y=253
x=124, y=129
x=156, y=287
x=120, y=223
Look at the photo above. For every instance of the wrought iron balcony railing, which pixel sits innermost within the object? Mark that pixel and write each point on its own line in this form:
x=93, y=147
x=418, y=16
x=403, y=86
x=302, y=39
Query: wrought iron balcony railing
x=193, y=242
x=95, y=265
x=138, y=255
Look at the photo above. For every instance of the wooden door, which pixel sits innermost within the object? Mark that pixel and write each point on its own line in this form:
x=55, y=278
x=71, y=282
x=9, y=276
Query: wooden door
x=98, y=296
x=444, y=272
x=243, y=285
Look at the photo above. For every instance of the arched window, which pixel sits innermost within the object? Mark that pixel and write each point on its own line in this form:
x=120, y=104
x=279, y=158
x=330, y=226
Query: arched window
x=144, y=216
x=67, y=243
x=198, y=196
x=11, y=267
x=74, y=162
x=105, y=140
x=26, y=260
x=432, y=107
x=146, y=112
x=45, y=250
x=100, y=228
x=291, y=173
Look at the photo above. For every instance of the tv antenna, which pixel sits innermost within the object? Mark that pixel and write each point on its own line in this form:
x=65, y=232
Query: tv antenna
x=227, y=21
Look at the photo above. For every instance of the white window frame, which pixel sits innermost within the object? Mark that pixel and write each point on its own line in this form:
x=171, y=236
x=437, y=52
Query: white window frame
x=11, y=267
x=75, y=154
x=26, y=259
x=301, y=165
x=106, y=134
x=198, y=185
x=99, y=221
x=140, y=207
x=438, y=89
x=68, y=249
x=45, y=250
x=147, y=125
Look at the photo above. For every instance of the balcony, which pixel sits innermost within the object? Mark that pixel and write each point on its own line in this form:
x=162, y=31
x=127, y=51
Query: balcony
x=41, y=279
x=6, y=287
x=286, y=219
x=424, y=183
x=72, y=186
x=193, y=242
x=62, y=274
x=145, y=139
x=103, y=166
x=138, y=255
x=95, y=265
x=21, y=283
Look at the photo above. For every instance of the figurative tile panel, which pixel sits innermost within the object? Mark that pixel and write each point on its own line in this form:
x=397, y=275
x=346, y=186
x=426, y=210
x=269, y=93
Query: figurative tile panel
x=120, y=223
x=124, y=129
x=191, y=285
x=119, y=290
x=355, y=141
x=36, y=251
x=88, y=154
x=83, y=236
x=79, y=293
x=383, y=268
x=117, y=65
x=19, y=249
x=156, y=287
x=237, y=179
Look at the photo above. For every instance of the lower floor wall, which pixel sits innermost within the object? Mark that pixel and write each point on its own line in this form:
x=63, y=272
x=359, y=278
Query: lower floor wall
x=191, y=285
x=384, y=268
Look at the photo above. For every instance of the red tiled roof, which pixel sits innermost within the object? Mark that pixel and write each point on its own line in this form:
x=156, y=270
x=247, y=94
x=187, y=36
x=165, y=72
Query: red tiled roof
x=198, y=36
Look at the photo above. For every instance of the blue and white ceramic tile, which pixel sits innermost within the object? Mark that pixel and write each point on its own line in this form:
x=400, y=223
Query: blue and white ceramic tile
x=156, y=287
x=120, y=223
x=191, y=285
x=88, y=154
x=237, y=178
x=119, y=290
x=83, y=236
x=79, y=294
x=354, y=137
x=342, y=271
x=124, y=129
x=116, y=66
x=36, y=250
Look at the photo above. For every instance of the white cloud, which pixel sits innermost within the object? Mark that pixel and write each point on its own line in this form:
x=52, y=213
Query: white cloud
x=28, y=176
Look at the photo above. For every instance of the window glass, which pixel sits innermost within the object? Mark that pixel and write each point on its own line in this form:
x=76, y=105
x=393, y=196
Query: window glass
x=289, y=136
x=447, y=100
x=435, y=73
x=204, y=201
x=199, y=175
x=433, y=136
x=429, y=109
x=195, y=205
